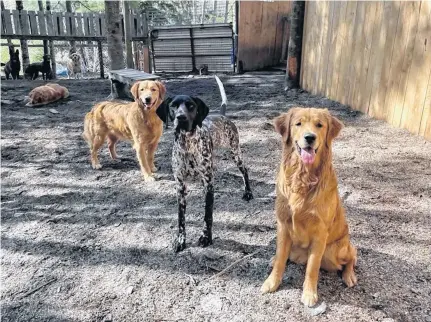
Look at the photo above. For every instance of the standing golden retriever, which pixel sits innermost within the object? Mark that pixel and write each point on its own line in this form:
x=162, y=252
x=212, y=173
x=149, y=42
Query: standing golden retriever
x=137, y=122
x=311, y=225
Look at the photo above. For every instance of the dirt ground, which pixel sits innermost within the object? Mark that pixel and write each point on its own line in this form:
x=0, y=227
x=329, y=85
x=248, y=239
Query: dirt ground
x=86, y=245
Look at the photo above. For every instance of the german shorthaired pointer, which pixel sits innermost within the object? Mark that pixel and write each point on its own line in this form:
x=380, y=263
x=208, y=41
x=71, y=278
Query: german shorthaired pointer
x=196, y=133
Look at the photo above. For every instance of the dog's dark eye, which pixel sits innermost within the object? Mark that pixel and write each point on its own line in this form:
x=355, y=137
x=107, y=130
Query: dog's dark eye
x=319, y=125
x=153, y=89
x=141, y=89
x=298, y=124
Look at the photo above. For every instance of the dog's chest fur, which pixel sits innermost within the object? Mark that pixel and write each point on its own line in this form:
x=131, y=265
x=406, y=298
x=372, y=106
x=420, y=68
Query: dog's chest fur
x=192, y=153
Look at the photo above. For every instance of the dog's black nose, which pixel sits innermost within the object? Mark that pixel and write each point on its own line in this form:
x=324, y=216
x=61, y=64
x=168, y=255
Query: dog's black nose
x=310, y=138
x=147, y=100
x=181, y=117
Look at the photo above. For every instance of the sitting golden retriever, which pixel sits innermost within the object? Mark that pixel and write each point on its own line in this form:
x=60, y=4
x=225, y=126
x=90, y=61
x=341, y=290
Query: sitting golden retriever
x=311, y=225
x=137, y=122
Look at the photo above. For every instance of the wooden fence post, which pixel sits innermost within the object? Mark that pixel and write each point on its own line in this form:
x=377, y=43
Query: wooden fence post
x=127, y=34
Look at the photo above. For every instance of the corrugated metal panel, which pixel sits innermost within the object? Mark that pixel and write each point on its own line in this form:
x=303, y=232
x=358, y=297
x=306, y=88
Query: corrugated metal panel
x=172, y=47
x=171, y=33
x=214, y=32
x=212, y=46
x=170, y=64
x=217, y=46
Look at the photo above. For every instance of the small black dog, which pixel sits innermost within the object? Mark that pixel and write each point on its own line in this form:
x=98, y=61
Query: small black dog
x=13, y=66
x=32, y=70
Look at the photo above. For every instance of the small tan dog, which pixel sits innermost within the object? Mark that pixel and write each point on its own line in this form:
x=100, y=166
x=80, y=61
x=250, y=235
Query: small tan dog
x=137, y=122
x=46, y=94
x=311, y=223
x=74, y=66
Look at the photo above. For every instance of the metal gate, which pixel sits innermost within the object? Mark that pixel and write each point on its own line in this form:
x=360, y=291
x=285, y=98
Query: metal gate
x=189, y=48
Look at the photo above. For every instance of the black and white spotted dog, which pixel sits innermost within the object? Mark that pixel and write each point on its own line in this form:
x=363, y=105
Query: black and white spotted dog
x=196, y=136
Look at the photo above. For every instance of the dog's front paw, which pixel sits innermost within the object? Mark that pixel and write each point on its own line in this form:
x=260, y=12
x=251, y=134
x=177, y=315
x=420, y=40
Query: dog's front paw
x=179, y=243
x=349, y=278
x=309, y=297
x=270, y=285
x=96, y=166
x=247, y=196
x=154, y=168
x=149, y=178
x=205, y=240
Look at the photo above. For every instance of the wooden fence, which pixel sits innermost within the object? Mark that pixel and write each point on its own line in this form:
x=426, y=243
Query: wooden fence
x=373, y=56
x=64, y=26
x=261, y=30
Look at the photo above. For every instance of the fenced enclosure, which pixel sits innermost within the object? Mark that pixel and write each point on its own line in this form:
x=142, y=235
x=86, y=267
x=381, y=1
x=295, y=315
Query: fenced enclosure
x=64, y=26
x=187, y=48
x=373, y=56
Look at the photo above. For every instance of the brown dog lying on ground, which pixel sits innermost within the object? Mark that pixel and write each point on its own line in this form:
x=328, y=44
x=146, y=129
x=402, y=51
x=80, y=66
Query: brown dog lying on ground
x=137, y=122
x=311, y=224
x=46, y=94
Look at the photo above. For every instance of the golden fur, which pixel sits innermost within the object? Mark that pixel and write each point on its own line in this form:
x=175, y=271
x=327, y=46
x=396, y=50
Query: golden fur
x=137, y=122
x=311, y=223
x=46, y=94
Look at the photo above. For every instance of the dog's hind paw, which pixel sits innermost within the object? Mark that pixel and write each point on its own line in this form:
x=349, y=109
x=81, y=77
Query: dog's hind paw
x=205, y=240
x=247, y=195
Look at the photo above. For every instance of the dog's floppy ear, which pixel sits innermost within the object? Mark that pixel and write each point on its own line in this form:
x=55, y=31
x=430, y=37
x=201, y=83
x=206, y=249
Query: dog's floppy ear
x=163, y=110
x=282, y=124
x=334, y=128
x=162, y=89
x=135, y=91
x=202, y=112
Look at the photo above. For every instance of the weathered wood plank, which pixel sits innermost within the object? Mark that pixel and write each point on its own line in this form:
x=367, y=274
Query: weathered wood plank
x=7, y=22
x=86, y=24
x=387, y=39
x=33, y=23
x=320, y=21
x=91, y=29
x=358, y=47
x=42, y=23
x=49, y=24
x=322, y=68
x=344, y=80
x=25, y=30
x=425, y=127
x=96, y=24
x=418, y=76
x=374, y=65
x=61, y=26
x=16, y=24
x=79, y=30
x=412, y=28
x=367, y=35
x=73, y=24
x=67, y=21
x=103, y=25
x=333, y=44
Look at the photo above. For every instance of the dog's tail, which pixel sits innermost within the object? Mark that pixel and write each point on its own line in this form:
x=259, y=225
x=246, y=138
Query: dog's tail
x=223, y=96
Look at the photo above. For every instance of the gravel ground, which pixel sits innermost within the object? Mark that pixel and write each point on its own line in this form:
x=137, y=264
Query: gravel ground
x=86, y=245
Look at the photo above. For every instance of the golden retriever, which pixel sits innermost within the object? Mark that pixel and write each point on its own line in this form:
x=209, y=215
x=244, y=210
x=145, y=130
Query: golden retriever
x=311, y=223
x=46, y=94
x=137, y=122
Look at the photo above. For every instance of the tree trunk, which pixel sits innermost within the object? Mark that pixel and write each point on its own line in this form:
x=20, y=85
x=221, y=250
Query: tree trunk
x=115, y=45
x=127, y=34
x=51, y=49
x=23, y=43
x=72, y=42
x=295, y=45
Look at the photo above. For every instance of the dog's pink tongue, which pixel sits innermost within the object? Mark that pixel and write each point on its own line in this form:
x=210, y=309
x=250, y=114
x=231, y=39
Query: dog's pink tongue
x=308, y=156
